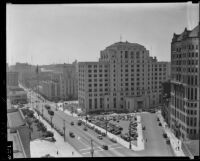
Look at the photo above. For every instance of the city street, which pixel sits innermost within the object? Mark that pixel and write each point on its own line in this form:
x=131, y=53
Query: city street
x=155, y=145
x=82, y=140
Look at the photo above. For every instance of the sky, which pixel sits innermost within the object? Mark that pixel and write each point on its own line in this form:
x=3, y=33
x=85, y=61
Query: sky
x=47, y=34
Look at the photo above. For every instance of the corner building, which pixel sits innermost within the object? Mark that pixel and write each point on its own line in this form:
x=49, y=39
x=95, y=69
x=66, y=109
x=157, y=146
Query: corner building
x=185, y=84
x=125, y=79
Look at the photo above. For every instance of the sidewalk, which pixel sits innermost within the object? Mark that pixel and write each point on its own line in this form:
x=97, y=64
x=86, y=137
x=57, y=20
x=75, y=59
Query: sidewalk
x=40, y=148
x=140, y=143
x=174, y=142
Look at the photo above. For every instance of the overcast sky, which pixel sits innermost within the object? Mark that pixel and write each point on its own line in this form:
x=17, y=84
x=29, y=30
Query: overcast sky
x=46, y=34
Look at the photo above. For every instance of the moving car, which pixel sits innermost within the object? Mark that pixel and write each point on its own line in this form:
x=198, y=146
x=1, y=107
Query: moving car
x=85, y=129
x=105, y=147
x=72, y=123
x=168, y=141
x=164, y=135
x=99, y=137
x=71, y=134
x=79, y=123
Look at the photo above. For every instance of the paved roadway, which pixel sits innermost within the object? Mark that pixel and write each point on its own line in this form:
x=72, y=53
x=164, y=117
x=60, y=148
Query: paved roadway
x=155, y=145
x=82, y=140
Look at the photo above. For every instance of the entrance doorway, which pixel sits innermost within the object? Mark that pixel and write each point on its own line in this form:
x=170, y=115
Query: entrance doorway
x=140, y=104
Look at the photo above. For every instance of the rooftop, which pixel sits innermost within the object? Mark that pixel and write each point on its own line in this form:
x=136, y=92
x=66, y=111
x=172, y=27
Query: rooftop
x=15, y=88
x=187, y=34
x=18, y=133
x=15, y=119
x=126, y=43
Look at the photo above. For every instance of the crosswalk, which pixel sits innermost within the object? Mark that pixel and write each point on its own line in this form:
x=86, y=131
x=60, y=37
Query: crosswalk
x=98, y=149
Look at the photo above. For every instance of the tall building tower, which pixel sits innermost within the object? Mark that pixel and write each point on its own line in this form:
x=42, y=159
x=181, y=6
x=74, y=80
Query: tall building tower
x=126, y=78
x=185, y=84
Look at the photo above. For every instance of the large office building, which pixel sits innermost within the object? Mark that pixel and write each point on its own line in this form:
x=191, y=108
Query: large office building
x=12, y=78
x=185, y=84
x=125, y=78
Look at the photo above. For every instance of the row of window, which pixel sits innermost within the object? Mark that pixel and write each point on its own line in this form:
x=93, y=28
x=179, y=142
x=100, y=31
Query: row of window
x=184, y=62
x=188, y=46
x=185, y=55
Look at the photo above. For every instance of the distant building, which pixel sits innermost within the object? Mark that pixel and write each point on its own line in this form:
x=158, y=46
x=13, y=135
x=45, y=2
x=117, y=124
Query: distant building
x=25, y=70
x=12, y=78
x=125, y=74
x=50, y=90
x=17, y=95
x=66, y=78
x=185, y=82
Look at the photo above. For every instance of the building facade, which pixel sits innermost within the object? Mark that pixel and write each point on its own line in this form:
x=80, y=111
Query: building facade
x=185, y=84
x=125, y=70
x=66, y=79
x=165, y=108
x=12, y=78
x=17, y=95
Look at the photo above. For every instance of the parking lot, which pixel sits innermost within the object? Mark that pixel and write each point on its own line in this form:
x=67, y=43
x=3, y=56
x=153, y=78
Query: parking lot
x=118, y=125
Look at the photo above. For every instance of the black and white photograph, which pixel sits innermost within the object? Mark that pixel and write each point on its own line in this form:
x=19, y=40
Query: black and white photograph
x=103, y=80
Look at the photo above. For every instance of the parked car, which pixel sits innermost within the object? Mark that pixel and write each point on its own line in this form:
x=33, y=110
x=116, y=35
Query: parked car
x=164, y=135
x=105, y=147
x=168, y=141
x=103, y=134
x=85, y=129
x=100, y=137
x=160, y=124
x=72, y=123
x=79, y=122
x=71, y=134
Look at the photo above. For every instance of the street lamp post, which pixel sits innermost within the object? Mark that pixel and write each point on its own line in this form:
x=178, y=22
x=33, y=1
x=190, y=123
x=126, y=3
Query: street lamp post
x=64, y=129
x=42, y=110
x=92, y=150
x=130, y=146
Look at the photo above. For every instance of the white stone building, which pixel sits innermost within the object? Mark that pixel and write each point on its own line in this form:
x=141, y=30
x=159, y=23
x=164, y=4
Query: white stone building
x=124, y=70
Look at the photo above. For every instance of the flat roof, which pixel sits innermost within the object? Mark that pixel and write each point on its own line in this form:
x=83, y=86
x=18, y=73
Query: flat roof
x=15, y=119
x=17, y=146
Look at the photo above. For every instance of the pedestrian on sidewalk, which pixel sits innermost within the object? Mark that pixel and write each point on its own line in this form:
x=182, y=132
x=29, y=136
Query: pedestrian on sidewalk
x=57, y=152
x=72, y=153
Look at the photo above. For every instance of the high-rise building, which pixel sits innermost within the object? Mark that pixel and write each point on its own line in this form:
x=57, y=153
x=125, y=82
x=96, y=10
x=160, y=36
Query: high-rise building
x=185, y=83
x=126, y=78
x=12, y=78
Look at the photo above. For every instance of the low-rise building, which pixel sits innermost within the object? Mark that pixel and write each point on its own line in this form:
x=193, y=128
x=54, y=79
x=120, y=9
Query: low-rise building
x=17, y=95
x=18, y=132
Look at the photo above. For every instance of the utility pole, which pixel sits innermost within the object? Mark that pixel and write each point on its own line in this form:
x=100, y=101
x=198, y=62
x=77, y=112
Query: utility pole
x=64, y=129
x=92, y=150
x=42, y=110
x=130, y=146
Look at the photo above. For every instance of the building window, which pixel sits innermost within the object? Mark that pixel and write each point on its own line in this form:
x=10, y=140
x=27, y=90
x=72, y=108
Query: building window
x=90, y=103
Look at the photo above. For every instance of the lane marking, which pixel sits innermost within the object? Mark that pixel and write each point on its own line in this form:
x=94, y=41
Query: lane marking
x=83, y=142
x=88, y=148
x=94, y=151
x=115, y=148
